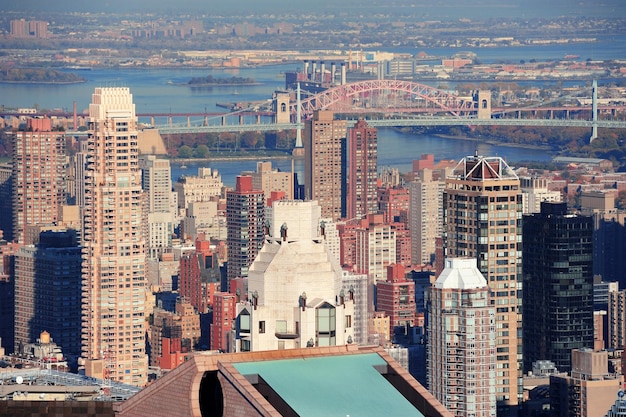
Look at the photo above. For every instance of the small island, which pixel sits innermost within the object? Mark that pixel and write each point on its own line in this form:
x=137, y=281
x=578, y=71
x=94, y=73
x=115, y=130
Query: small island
x=209, y=80
x=38, y=76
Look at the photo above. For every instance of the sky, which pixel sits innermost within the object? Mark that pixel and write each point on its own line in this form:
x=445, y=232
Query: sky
x=452, y=9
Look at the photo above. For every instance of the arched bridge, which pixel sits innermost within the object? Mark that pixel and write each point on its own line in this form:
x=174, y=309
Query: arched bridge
x=395, y=95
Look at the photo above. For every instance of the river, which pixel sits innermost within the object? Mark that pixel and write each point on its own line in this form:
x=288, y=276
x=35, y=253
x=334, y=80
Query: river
x=162, y=90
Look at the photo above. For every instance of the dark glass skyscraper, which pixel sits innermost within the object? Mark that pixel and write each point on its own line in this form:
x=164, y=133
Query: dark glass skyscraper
x=557, y=265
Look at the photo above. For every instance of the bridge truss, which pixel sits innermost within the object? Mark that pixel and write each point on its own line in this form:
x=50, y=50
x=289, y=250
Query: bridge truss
x=376, y=95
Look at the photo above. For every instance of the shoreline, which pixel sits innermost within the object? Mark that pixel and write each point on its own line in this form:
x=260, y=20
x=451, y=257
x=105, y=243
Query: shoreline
x=496, y=142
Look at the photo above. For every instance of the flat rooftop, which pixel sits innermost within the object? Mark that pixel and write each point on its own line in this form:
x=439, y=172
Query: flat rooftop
x=348, y=385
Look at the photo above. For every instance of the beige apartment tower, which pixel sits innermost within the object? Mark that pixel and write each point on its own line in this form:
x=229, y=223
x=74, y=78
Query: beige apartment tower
x=461, y=348
x=114, y=245
x=483, y=214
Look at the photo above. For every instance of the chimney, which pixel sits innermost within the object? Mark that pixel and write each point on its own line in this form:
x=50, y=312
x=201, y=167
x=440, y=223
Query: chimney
x=313, y=69
x=306, y=67
x=322, y=72
x=343, y=73
x=333, y=69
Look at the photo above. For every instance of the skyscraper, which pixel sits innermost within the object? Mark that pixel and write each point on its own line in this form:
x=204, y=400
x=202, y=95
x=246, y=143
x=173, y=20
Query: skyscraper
x=295, y=284
x=558, y=285
x=482, y=218
x=38, y=175
x=462, y=345
x=157, y=184
x=48, y=284
x=115, y=253
x=245, y=217
x=425, y=216
x=362, y=172
x=325, y=163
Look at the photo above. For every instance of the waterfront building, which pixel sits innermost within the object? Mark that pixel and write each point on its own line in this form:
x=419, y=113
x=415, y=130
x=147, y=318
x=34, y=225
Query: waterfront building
x=48, y=287
x=38, y=175
x=325, y=167
x=462, y=341
x=245, y=218
x=396, y=298
x=425, y=215
x=114, y=242
x=558, y=285
x=590, y=389
x=295, y=290
x=482, y=218
x=362, y=171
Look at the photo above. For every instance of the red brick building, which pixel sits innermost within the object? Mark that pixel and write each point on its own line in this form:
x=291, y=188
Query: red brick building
x=396, y=297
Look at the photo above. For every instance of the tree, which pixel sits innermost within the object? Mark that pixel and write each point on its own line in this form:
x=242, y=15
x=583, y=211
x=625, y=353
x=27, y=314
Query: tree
x=201, y=151
x=185, y=151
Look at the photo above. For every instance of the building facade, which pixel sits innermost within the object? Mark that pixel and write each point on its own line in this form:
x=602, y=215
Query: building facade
x=483, y=214
x=38, y=176
x=425, y=216
x=462, y=341
x=362, y=171
x=114, y=243
x=245, y=219
x=396, y=297
x=295, y=290
x=325, y=167
x=558, y=285
x=157, y=184
x=48, y=287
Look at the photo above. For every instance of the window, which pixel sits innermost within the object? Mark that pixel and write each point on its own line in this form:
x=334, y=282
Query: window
x=244, y=322
x=348, y=321
x=262, y=327
x=325, y=323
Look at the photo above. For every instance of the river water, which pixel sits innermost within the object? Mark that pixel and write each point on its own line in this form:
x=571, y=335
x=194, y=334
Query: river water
x=163, y=91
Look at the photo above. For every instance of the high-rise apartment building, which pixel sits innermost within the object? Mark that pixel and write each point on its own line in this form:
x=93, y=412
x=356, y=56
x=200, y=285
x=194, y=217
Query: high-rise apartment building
x=462, y=341
x=425, y=216
x=375, y=248
x=48, y=287
x=325, y=163
x=6, y=201
x=114, y=245
x=157, y=184
x=616, y=312
x=482, y=218
x=558, y=285
x=362, y=171
x=38, y=175
x=199, y=276
x=245, y=219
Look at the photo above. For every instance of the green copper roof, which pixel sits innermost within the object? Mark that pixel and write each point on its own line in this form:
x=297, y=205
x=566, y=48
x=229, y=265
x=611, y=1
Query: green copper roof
x=344, y=385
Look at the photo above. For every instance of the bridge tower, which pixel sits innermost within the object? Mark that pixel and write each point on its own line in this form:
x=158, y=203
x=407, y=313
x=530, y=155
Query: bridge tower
x=483, y=99
x=281, y=107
